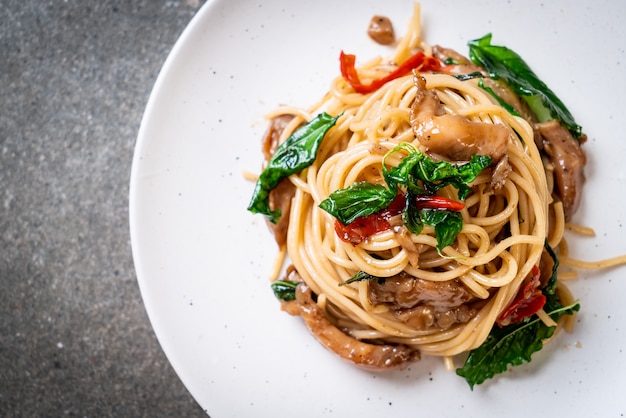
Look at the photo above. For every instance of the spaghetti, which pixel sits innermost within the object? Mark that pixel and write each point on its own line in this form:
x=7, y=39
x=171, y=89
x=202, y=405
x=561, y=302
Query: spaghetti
x=404, y=289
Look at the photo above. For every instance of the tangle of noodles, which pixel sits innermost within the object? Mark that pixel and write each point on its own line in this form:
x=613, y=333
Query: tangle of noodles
x=504, y=228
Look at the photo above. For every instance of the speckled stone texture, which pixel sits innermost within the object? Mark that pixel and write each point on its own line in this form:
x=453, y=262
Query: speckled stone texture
x=75, y=339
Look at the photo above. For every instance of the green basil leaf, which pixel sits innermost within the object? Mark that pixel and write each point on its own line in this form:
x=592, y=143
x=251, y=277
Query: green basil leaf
x=295, y=154
x=358, y=200
x=411, y=215
x=430, y=170
x=511, y=345
x=502, y=62
x=359, y=277
x=542, y=113
x=465, y=77
x=284, y=289
x=402, y=173
x=417, y=167
x=437, y=174
x=550, y=288
x=447, y=225
x=508, y=107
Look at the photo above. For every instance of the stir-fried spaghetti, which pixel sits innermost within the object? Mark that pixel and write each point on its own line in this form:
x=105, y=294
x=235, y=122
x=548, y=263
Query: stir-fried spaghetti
x=428, y=216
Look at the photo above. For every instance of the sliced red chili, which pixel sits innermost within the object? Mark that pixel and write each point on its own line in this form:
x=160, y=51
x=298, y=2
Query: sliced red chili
x=419, y=61
x=361, y=228
x=437, y=202
x=528, y=301
x=358, y=230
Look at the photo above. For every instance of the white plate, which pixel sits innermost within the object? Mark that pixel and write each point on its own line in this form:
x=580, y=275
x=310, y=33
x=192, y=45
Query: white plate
x=202, y=260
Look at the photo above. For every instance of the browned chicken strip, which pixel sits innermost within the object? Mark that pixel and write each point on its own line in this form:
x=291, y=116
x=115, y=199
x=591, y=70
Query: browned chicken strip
x=381, y=30
x=568, y=160
x=369, y=356
x=462, y=65
x=280, y=197
x=454, y=137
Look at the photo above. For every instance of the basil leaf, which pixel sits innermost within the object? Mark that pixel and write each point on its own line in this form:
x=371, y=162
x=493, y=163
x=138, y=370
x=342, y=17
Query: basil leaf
x=550, y=288
x=452, y=61
x=402, y=173
x=295, y=154
x=511, y=345
x=358, y=200
x=509, y=108
x=411, y=215
x=447, y=225
x=542, y=113
x=465, y=77
x=438, y=174
x=515, y=343
x=359, y=277
x=433, y=175
x=502, y=62
x=284, y=289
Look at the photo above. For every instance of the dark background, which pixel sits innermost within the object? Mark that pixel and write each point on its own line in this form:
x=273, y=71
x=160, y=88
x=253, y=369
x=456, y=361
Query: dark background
x=75, y=77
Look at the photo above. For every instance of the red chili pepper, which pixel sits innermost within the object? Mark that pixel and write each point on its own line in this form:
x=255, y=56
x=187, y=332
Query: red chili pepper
x=358, y=230
x=527, y=302
x=437, y=202
x=348, y=70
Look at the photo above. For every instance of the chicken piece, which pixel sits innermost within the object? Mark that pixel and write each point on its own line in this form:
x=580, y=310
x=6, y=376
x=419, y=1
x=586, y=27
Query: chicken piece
x=454, y=137
x=271, y=137
x=280, y=197
x=462, y=65
x=424, y=317
x=423, y=304
x=405, y=291
x=381, y=30
x=499, y=172
x=372, y=357
x=504, y=92
x=568, y=160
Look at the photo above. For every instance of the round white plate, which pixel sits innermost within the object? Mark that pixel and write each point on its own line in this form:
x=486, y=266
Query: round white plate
x=202, y=260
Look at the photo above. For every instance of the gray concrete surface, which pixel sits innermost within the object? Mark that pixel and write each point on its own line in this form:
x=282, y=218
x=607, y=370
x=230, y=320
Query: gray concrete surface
x=74, y=336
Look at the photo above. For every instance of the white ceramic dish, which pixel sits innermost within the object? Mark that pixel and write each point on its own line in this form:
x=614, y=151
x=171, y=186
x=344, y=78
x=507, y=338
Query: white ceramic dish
x=202, y=259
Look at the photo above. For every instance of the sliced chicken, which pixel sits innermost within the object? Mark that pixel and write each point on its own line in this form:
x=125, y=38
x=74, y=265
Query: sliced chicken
x=280, y=197
x=381, y=30
x=454, y=137
x=568, y=160
x=369, y=356
x=405, y=291
x=460, y=64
